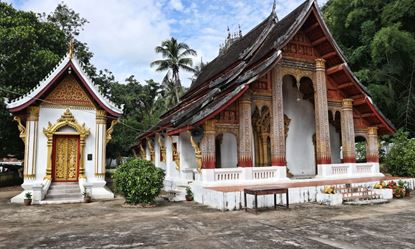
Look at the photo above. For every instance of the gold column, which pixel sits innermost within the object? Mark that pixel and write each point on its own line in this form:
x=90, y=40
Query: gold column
x=321, y=114
x=81, y=158
x=372, y=149
x=347, y=129
x=277, y=122
x=245, y=131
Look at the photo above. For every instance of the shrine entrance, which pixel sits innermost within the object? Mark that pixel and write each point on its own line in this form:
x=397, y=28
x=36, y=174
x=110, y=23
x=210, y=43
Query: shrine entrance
x=261, y=124
x=65, y=158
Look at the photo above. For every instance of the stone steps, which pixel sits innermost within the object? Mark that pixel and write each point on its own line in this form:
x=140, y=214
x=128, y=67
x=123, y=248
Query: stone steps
x=59, y=193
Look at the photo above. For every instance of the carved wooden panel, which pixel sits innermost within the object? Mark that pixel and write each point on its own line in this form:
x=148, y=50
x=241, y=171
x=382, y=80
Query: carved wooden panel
x=263, y=85
x=69, y=92
x=66, y=158
x=229, y=115
x=300, y=47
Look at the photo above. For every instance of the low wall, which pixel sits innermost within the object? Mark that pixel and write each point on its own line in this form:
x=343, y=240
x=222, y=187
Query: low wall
x=235, y=200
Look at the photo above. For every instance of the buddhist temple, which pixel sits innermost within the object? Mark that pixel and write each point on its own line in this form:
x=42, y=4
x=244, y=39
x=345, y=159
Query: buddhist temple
x=278, y=103
x=65, y=124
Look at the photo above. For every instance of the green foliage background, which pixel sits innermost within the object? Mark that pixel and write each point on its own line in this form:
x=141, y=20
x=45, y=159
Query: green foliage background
x=378, y=38
x=139, y=181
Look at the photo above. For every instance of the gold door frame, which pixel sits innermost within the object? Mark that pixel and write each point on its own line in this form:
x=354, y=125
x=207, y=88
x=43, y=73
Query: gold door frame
x=67, y=119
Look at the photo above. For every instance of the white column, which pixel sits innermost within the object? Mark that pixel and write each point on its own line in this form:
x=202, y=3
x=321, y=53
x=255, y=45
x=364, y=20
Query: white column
x=100, y=144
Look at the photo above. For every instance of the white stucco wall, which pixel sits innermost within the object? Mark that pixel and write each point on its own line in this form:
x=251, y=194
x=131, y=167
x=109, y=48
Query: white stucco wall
x=52, y=115
x=299, y=147
x=335, y=144
x=171, y=171
x=187, y=153
x=228, y=150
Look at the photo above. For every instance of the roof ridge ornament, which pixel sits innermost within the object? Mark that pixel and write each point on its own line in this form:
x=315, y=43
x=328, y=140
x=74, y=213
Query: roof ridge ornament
x=71, y=48
x=273, y=12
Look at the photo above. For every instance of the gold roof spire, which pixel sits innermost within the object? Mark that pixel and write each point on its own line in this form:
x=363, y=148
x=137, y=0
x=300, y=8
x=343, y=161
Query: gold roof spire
x=71, y=48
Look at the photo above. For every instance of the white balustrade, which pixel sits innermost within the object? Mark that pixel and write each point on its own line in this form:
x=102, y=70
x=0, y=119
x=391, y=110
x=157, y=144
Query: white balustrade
x=364, y=168
x=227, y=174
x=264, y=173
x=339, y=169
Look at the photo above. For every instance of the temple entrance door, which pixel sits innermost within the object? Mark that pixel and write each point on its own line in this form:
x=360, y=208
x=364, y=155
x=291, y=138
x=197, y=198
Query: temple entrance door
x=261, y=124
x=65, y=158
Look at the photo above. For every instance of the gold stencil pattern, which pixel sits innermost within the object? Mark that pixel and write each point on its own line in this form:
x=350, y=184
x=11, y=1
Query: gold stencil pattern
x=69, y=92
x=66, y=158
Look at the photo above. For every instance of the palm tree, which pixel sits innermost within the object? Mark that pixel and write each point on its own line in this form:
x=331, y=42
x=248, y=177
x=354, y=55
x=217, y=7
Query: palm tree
x=174, y=55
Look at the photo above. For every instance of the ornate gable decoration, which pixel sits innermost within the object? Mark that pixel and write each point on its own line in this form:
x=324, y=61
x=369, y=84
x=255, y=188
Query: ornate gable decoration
x=69, y=92
x=70, y=63
x=67, y=119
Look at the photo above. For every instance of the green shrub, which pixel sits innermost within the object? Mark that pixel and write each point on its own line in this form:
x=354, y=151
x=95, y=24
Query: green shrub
x=400, y=161
x=139, y=181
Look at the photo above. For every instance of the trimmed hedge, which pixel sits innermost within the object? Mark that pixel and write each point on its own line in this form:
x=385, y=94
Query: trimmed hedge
x=139, y=181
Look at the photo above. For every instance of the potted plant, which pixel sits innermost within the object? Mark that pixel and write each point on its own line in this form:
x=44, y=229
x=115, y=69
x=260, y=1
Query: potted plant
x=87, y=197
x=189, y=194
x=28, y=199
x=383, y=190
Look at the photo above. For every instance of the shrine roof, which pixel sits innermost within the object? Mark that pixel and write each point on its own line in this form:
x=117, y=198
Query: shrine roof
x=243, y=62
x=66, y=63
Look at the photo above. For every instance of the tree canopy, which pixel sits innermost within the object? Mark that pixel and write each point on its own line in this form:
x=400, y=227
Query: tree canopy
x=378, y=38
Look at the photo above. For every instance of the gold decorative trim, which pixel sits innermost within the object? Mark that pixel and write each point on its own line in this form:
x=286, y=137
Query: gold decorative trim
x=142, y=152
x=33, y=112
x=60, y=106
x=162, y=149
x=67, y=119
x=108, y=133
x=198, y=154
x=320, y=63
x=21, y=128
x=151, y=148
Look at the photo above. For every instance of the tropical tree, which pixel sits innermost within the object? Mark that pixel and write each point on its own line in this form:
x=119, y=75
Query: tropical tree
x=175, y=57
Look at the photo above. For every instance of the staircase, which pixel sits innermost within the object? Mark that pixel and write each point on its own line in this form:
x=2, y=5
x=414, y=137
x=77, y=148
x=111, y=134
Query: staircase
x=63, y=192
x=360, y=196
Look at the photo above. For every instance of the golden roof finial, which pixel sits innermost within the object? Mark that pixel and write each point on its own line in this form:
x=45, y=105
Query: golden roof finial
x=71, y=48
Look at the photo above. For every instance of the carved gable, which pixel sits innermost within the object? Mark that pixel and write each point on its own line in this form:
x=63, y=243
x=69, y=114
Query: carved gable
x=300, y=47
x=69, y=92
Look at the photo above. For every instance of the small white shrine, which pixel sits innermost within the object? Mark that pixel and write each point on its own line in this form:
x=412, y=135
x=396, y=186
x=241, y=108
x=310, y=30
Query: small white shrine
x=65, y=124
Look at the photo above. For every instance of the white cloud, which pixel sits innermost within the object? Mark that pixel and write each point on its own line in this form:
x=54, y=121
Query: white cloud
x=176, y=5
x=122, y=34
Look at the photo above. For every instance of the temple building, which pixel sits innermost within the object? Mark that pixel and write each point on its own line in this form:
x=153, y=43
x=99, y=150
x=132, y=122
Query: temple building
x=277, y=104
x=65, y=124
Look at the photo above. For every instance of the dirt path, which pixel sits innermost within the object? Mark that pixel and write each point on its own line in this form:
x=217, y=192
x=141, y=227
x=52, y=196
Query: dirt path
x=188, y=225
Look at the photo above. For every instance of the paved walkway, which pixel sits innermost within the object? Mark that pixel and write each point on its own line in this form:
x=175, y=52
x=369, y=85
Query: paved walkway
x=190, y=226
x=305, y=183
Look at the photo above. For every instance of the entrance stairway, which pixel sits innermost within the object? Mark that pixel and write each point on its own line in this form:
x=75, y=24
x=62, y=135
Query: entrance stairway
x=63, y=192
x=360, y=196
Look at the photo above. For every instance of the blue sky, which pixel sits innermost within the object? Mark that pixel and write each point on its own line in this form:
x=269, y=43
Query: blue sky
x=122, y=34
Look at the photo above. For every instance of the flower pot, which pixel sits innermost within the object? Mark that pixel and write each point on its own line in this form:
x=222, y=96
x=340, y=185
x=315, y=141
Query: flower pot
x=27, y=202
x=87, y=199
x=189, y=197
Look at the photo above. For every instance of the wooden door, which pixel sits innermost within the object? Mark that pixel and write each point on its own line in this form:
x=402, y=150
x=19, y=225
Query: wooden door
x=65, y=158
